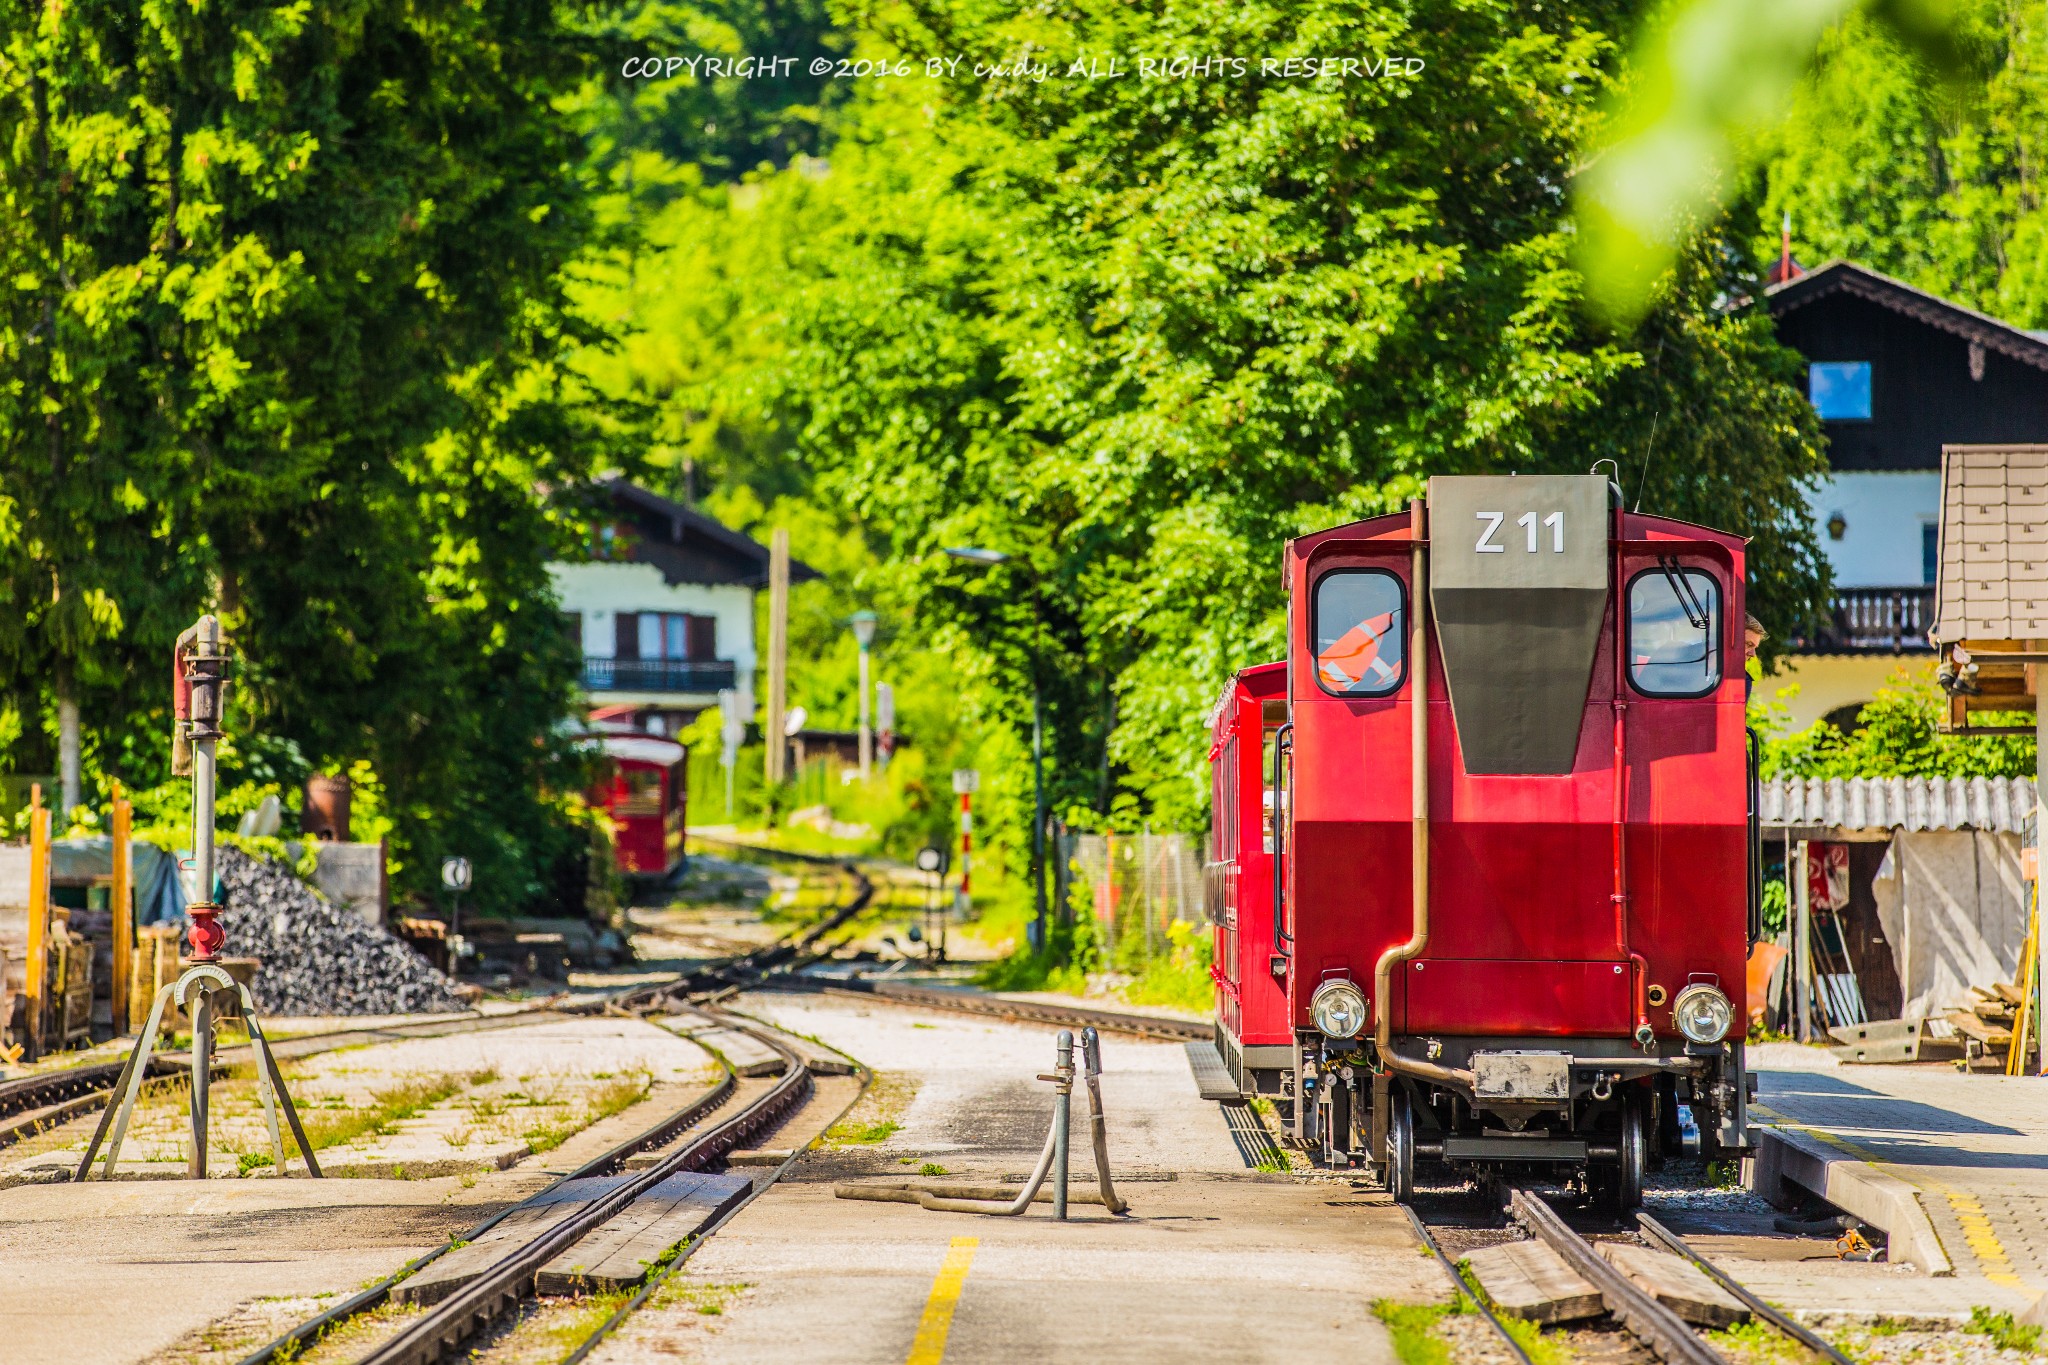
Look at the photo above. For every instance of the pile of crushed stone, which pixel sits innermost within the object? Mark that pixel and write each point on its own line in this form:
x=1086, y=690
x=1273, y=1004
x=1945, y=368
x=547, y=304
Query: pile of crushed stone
x=320, y=958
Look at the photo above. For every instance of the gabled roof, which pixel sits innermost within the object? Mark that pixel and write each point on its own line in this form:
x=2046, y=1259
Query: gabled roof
x=1848, y=277
x=689, y=547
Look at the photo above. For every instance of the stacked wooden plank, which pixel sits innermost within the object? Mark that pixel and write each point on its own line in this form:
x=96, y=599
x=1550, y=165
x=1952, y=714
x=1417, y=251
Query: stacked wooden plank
x=1985, y=1021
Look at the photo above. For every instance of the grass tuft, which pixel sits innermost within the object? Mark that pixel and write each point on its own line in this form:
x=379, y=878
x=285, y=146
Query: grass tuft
x=2005, y=1333
x=1413, y=1328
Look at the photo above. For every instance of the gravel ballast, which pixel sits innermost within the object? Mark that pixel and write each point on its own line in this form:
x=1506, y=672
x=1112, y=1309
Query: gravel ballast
x=319, y=958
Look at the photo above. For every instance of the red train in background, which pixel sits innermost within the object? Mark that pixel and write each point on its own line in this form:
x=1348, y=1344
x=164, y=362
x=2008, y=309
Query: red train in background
x=646, y=793
x=1504, y=927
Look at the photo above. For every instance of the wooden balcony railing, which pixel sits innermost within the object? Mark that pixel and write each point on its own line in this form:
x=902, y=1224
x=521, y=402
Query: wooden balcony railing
x=1874, y=621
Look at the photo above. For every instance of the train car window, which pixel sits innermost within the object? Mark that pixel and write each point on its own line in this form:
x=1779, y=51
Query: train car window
x=1359, y=633
x=1674, y=632
x=643, y=793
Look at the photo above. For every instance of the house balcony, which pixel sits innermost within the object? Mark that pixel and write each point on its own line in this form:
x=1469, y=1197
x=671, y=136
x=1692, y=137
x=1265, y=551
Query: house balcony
x=695, y=676
x=1874, y=621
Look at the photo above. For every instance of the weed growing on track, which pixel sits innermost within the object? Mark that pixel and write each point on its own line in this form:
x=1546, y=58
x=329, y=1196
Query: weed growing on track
x=877, y=1116
x=2005, y=1334
x=1754, y=1343
x=380, y=1117
x=696, y=1296
x=1413, y=1328
x=615, y=1096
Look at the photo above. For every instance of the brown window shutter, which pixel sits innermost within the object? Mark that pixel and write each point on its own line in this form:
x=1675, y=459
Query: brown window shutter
x=703, y=638
x=628, y=637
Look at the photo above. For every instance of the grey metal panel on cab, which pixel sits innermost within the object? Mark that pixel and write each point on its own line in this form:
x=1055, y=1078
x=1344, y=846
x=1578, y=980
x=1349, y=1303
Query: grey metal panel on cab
x=1519, y=571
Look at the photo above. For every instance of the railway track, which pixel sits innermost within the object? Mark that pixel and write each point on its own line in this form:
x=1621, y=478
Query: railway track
x=443, y=1331
x=961, y=1001
x=1658, y=1331
x=32, y=1104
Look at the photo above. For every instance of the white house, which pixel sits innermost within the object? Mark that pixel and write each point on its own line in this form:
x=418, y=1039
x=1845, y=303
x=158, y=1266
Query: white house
x=1895, y=374
x=664, y=609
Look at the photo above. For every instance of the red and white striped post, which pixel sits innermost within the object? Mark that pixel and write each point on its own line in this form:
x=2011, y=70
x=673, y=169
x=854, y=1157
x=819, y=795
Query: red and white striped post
x=965, y=781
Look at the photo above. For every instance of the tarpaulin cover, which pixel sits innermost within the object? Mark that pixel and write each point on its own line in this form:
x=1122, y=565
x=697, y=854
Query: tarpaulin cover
x=1953, y=909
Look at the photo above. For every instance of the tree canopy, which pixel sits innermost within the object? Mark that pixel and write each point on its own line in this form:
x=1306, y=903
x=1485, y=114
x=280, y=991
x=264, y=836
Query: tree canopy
x=283, y=307
x=1135, y=333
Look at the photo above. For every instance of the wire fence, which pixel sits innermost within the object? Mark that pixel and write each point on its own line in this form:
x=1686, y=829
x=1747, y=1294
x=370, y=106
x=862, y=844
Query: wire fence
x=1138, y=884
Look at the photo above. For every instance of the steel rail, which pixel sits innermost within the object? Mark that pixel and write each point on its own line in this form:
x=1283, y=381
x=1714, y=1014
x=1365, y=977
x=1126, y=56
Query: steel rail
x=442, y=1330
x=660, y=1276
x=1799, y=1332
x=31, y=1104
x=1656, y=1326
x=1458, y=1282
x=1032, y=1011
x=309, y=1332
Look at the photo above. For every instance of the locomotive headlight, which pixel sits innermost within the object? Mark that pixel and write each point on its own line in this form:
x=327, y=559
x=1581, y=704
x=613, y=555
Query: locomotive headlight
x=1702, y=1013
x=1338, y=1009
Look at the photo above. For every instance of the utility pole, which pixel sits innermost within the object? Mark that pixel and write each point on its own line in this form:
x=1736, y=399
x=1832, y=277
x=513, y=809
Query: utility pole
x=1038, y=810
x=67, y=747
x=1802, y=945
x=778, y=651
x=863, y=623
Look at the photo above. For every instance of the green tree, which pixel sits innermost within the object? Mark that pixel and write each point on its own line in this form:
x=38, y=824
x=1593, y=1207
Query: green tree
x=1931, y=175
x=1894, y=736
x=1138, y=332
x=282, y=338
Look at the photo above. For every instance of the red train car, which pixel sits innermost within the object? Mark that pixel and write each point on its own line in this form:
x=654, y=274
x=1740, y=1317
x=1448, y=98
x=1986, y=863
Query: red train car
x=1254, y=1032
x=1517, y=876
x=647, y=797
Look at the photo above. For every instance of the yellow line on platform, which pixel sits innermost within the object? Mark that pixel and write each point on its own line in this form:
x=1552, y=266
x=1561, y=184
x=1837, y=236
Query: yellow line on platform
x=1978, y=1234
x=930, y=1346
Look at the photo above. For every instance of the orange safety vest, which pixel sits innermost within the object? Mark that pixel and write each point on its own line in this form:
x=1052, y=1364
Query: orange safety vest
x=1355, y=659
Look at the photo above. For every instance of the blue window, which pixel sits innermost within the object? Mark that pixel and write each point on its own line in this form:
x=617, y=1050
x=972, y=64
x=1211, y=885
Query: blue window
x=1840, y=390
x=1930, y=552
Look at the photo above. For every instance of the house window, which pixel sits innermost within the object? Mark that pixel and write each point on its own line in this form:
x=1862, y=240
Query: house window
x=667, y=635
x=1840, y=390
x=1930, y=551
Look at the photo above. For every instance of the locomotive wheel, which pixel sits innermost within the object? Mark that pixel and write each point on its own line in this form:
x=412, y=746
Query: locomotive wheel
x=1400, y=1173
x=1635, y=1155
x=1337, y=1137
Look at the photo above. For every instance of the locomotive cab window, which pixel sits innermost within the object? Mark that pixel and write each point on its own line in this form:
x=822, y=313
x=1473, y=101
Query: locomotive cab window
x=1674, y=632
x=1359, y=633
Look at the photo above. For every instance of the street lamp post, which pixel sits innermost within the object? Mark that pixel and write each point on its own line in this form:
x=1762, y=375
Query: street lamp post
x=989, y=559
x=863, y=623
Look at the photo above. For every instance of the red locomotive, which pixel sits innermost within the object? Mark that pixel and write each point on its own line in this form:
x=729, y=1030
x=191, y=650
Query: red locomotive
x=1511, y=922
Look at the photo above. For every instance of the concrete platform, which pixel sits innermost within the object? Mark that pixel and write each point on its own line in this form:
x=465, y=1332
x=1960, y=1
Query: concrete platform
x=1970, y=1150
x=117, y=1272
x=1207, y=1261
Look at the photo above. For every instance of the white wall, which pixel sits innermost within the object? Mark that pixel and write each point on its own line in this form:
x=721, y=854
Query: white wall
x=599, y=590
x=1884, y=512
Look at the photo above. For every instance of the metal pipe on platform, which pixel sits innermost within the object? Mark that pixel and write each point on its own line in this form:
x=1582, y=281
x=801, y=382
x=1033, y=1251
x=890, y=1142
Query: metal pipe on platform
x=1098, y=1126
x=1062, y=1117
